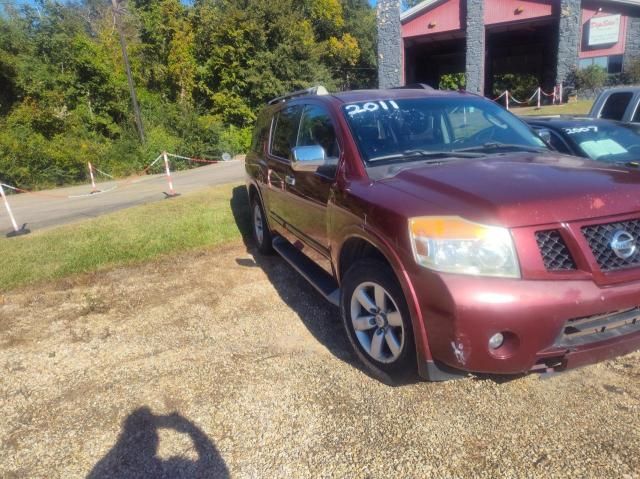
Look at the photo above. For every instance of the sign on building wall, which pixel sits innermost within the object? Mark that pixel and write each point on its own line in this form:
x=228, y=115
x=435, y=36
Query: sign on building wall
x=604, y=30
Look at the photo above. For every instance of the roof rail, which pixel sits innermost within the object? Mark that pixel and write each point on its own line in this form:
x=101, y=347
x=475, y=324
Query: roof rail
x=413, y=86
x=316, y=90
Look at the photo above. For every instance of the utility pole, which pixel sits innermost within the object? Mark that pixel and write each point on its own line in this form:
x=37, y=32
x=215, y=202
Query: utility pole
x=127, y=67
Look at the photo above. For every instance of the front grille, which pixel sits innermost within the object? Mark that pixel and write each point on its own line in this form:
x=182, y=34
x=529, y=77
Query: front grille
x=599, y=238
x=596, y=328
x=554, y=251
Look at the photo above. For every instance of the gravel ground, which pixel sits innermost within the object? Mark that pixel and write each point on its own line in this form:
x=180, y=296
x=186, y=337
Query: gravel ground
x=210, y=365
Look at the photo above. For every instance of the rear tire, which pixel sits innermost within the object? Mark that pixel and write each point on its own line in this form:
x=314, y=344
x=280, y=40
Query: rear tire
x=377, y=321
x=259, y=227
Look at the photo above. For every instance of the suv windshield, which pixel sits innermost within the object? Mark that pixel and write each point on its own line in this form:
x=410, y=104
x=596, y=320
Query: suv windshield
x=607, y=142
x=406, y=129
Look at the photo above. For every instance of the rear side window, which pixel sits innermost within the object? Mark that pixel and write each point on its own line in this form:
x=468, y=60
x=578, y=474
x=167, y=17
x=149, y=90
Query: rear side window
x=261, y=132
x=285, y=131
x=636, y=117
x=615, y=106
x=316, y=128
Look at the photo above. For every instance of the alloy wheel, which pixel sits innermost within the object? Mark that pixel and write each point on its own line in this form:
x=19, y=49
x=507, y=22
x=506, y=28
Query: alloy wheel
x=257, y=223
x=377, y=322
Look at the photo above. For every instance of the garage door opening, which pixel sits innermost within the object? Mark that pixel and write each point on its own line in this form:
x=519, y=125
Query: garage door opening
x=521, y=49
x=428, y=59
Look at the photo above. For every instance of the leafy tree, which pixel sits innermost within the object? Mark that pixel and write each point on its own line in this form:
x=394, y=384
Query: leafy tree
x=201, y=72
x=181, y=63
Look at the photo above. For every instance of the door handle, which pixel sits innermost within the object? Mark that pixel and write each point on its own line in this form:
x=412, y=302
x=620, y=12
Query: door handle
x=290, y=180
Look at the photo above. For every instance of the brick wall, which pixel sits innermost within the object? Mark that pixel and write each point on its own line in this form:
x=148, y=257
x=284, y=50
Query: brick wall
x=389, y=44
x=633, y=41
x=568, y=39
x=475, y=46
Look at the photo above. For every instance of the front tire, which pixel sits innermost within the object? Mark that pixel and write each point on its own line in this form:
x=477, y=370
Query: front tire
x=260, y=228
x=377, y=321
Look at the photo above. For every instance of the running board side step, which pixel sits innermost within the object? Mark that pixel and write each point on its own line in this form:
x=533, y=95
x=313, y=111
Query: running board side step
x=314, y=274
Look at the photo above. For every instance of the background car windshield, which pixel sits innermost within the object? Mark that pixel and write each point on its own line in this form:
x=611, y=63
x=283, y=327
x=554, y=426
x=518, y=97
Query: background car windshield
x=611, y=143
x=389, y=129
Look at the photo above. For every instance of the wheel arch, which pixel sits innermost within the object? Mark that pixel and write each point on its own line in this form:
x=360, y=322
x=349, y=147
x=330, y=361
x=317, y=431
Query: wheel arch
x=356, y=247
x=254, y=191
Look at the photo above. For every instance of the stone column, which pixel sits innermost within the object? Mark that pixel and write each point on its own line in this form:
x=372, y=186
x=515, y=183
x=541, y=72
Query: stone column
x=389, y=44
x=569, y=26
x=632, y=44
x=475, y=46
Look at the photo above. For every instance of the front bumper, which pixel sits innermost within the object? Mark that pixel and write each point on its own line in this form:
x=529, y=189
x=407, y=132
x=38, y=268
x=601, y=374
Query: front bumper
x=461, y=313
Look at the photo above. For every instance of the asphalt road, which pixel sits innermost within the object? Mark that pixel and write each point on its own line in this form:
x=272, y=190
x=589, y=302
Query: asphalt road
x=45, y=209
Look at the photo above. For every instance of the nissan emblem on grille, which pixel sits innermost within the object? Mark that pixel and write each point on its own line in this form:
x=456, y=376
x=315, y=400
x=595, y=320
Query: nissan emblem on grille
x=623, y=244
x=614, y=245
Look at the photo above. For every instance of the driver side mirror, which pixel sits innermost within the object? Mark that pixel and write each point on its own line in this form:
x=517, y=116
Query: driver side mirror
x=307, y=158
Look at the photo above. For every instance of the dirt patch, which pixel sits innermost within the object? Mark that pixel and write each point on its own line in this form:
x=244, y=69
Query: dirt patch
x=219, y=363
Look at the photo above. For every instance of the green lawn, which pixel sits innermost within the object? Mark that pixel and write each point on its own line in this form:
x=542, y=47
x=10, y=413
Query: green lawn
x=137, y=234
x=581, y=107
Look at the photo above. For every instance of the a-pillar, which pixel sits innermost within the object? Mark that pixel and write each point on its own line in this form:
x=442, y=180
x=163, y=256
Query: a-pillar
x=475, y=46
x=389, y=44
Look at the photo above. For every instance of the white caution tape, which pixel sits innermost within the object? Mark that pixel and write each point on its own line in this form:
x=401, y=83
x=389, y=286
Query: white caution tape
x=103, y=173
x=11, y=187
x=501, y=95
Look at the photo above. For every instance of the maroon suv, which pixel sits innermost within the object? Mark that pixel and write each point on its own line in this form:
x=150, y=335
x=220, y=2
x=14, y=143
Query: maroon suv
x=446, y=232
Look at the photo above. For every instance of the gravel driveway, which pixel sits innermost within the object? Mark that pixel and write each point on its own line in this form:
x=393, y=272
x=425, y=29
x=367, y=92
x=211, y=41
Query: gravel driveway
x=210, y=365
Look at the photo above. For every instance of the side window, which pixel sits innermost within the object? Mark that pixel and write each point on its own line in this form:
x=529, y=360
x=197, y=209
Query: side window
x=316, y=128
x=615, y=106
x=260, y=133
x=285, y=129
x=558, y=143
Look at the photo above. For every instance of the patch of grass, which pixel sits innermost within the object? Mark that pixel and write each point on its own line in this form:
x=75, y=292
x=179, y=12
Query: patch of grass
x=581, y=107
x=137, y=234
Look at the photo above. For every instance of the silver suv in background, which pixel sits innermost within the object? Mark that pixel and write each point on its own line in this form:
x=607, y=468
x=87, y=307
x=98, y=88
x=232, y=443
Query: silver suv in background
x=621, y=104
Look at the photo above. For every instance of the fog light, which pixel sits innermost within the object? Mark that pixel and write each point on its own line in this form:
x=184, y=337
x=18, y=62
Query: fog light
x=496, y=341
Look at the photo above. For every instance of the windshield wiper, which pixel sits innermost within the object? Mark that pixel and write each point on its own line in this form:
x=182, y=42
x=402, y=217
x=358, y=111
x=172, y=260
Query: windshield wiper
x=496, y=145
x=630, y=163
x=439, y=155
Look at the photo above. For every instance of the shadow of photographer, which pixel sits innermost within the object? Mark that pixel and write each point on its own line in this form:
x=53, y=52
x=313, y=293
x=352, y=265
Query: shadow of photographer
x=135, y=453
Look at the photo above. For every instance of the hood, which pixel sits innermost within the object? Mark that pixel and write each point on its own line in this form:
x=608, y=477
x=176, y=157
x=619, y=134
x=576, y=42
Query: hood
x=520, y=189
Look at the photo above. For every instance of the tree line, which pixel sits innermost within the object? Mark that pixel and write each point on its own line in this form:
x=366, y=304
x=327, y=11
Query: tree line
x=201, y=72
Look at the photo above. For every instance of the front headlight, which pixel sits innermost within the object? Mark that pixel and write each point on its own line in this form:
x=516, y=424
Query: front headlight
x=453, y=245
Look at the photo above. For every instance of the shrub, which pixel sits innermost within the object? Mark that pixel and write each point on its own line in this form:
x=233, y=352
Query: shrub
x=591, y=77
x=452, y=81
x=235, y=140
x=520, y=85
x=633, y=71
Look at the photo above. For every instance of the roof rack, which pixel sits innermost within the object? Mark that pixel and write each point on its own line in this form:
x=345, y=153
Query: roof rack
x=316, y=90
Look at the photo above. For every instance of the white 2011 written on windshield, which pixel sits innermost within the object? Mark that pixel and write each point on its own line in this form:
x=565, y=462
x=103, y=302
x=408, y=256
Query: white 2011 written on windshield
x=371, y=106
